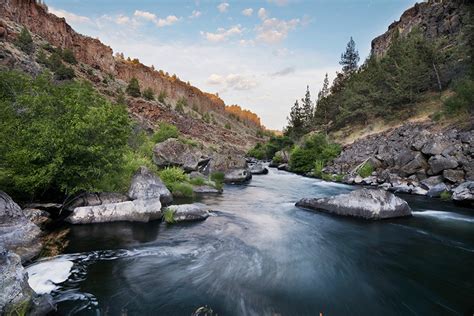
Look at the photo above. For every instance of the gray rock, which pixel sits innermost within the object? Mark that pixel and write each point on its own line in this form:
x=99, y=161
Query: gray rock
x=237, y=176
x=173, y=152
x=454, y=176
x=439, y=163
x=419, y=191
x=188, y=212
x=464, y=192
x=203, y=189
x=358, y=179
x=435, y=146
x=258, y=168
x=93, y=199
x=430, y=182
x=146, y=185
x=38, y=217
x=130, y=211
x=283, y=166
x=418, y=163
x=364, y=203
x=437, y=190
x=17, y=233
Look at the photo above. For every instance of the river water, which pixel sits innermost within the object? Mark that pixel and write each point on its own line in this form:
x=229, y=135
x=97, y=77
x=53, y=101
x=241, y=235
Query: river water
x=260, y=255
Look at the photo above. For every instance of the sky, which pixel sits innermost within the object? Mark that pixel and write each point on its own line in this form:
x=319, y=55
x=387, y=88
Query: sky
x=260, y=54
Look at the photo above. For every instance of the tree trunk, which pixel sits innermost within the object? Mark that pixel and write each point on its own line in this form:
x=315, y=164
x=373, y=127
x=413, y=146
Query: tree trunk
x=437, y=77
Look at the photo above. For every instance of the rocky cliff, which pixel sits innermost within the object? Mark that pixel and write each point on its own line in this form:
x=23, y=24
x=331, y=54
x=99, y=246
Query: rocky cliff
x=435, y=18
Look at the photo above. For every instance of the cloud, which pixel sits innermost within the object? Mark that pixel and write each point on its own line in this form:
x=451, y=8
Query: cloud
x=122, y=19
x=273, y=30
x=70, y=17
x=195, y=14
x=223, y=7
x=262, y=13
x=247, y=12
x=222, y=34
x=233, y=81
x=279, y=3
x=169, y=20
x=283, y=72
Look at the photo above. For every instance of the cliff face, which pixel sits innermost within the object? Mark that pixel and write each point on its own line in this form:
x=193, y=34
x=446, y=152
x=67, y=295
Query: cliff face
x=92, y=52
x=435, y=18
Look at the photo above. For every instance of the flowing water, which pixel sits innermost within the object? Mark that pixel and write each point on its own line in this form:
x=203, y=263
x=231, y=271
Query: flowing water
x=260, y=255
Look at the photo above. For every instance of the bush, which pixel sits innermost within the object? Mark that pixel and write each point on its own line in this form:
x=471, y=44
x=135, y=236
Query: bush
x=463, y=99
x=164, y=132
x=257, y=152
x=149, y=94
x=182, y=102
x=197, y=181
x=206, y=117
x=318, y=168
x=366, y=170
x=24, y=41
x=162, y=97
x=68, y=56
x=168, y=216
x=227, y=125
x=57, y=138
x=133, y=88
x=182, y=189
x=172, y=175
x=315, y=147
x=64, y=73
x=179, y=108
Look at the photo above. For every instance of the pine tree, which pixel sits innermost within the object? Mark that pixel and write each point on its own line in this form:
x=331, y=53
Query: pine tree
x=295, y=126
x=349, y=58
x=307, y=108
x=325, y=89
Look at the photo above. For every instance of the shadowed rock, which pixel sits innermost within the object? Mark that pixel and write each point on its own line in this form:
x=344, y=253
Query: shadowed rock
x=364, y=203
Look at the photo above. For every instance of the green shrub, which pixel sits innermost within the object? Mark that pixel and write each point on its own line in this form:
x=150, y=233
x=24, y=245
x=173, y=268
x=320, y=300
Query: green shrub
x=326, y=177
x=41, y=58
x=445, y=195
x=206, y=117
x=366, y=170
x=164, y=132
x=257, y=152
x=168, y=216
x=68, y=56
x=189, y=141
x=24, y=41
x=162, y=97
x=278, y=159
x=64, y=73
x=182, y=102
x=179, y=108
x=57, y=138
x=181, y=189
x=218, y=177
x=172, y=175
x=318, y=168
x=197, y=181
x=133, y=88
x=149, y=94
x=463, y=99
x=339, y=177
x=227, y=125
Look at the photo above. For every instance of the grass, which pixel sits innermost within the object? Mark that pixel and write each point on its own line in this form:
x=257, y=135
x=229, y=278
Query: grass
x=318, y=168
x=445, y=195
x=366, y=170
x=198, y=181
x=168, y=216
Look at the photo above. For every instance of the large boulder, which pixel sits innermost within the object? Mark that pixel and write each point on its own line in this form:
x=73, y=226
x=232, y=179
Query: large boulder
x=16, y=295
x=437, y=190
x=258, y=168
x=439, y=163
x=464, y=193
x=233, y=166
x=93, y=199
x=364, y=203
x=17, y=233
x=435, y=146
x=130, y=211
x=187, y=212
x=418, y=163
x=454, y=176
x=146, y=185
x=173, y=152
x=430, y=182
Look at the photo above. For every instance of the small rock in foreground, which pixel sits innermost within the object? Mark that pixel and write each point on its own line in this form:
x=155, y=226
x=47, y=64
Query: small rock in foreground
x=186, y=213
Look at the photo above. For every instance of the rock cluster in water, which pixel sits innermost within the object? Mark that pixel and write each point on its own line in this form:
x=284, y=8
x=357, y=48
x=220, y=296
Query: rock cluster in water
x=363, y=203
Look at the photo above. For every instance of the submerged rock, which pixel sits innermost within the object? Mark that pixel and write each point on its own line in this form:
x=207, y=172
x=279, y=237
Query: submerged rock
x=18, y=233
x=364, y=203
x=258, y=168
x=130, y=211
x=146, y=185
x=187, y=212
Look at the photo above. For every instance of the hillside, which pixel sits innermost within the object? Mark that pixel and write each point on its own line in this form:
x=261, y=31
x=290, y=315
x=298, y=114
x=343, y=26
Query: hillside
x=204, y=116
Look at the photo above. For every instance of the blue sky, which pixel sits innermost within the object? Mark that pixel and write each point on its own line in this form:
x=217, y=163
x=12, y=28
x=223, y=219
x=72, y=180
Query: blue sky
x=258, y=54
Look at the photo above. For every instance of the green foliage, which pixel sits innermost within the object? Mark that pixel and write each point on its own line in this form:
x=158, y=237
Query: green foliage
x=315, y=147
x=349, y=58
x=168, y=216
x=55, y=64
x=227, y=125
x=257, y=152
x=172, y=175
x=181, y=189
x=318, y=168
x=182, y=102
x=162, y=96
x=206, y=117
x=41, y=58
x=179, y=108
x=149, y=94
x=24, y=41
x=197, y=181
x=445, y=195
x=268, y=149
x=133, y=88
x=366, y=170
x=218, y=178
x=68, y=56
x=188, y=141
x=64, y=73
x=164, y=132
x=57, y=138
x=462, y=102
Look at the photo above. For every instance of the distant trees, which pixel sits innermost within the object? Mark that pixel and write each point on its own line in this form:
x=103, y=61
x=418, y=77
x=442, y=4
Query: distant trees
x=133, y=88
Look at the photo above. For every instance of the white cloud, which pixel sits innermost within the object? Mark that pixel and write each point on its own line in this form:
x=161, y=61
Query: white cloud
x=222, y=34
x=145, y=15
x=262, y=13
x=233, y=81
x=215, y=79
x=279, y=2
x=247, y=12
x=246, y=43
x=223, y=7
x=273, y=30
x=70, y=17
x=169, y=20
x=122, y=19
x=195, y=14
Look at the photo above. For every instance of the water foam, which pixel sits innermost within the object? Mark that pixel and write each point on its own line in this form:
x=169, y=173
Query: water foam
x=445, y=215
x=44, y=276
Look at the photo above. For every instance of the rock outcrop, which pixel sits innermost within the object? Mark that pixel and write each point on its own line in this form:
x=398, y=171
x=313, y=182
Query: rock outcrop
x=173, y=152
x=130, y=211
x=146, y=185
x=364, y=203
x=258, y=168
x=412, y=158
x=233, y=165
x=94, y=199
x=187, y=212
x=17, y=233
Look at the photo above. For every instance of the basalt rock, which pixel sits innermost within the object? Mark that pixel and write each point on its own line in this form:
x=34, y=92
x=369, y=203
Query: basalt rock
x=173, y=152
x=145, y=185
x=364, y=203
x=18, y=233
x=258, y=168
x=439, y=163
x=234, y=167
x=464, y=193
x=188, y=212
x=93, y=199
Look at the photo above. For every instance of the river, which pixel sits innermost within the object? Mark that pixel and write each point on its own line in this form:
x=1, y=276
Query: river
x=260, y=255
